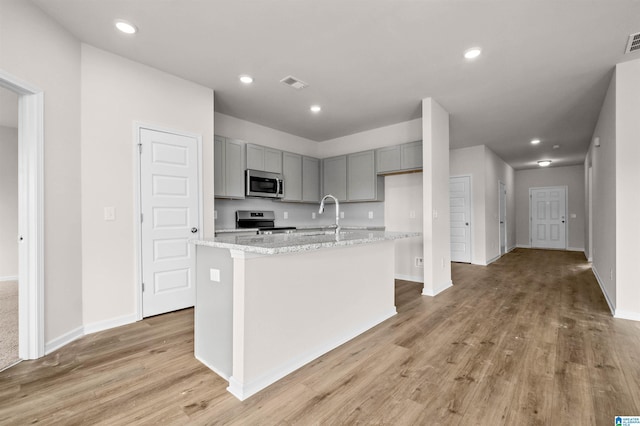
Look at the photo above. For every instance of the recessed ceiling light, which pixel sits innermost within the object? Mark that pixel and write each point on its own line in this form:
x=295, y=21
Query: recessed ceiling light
x=126, y=27
x=472, y=53
x=556, y=146
x=544, y=163
x=246, y=79
x=315, y=108
x=535, y=141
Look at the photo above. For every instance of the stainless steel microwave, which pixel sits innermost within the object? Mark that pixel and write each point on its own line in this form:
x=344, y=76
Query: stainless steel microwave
x=264, y=184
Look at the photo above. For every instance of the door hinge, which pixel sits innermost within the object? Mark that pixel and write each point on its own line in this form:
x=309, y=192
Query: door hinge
x=141, y=217
x=140, y=147
x=143, y=287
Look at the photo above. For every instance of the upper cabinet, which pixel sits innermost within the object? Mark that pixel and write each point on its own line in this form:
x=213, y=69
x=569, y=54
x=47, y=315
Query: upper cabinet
x=264, y=159
x=399, y=158
x=229, y=166
x=292, y=175
x=310, y=179
x=334, y=177
x=353, y=177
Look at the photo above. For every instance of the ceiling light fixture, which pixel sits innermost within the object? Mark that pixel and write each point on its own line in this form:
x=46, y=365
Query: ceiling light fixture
x=535, y=141
x=315, y=108
x=126, y=27
x=544, y=163
x=556, y=146
x=472, y=53
x=246, y=79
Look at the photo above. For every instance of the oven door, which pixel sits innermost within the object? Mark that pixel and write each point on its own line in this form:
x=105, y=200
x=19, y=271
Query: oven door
x=263, y=184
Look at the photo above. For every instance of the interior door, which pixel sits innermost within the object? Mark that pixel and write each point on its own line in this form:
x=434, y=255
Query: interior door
x=170, y=218
x=502, y=208
x=548, y=217
x=460, y=210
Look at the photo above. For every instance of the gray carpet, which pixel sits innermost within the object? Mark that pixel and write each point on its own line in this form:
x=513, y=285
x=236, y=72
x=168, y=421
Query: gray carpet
x=8, y=323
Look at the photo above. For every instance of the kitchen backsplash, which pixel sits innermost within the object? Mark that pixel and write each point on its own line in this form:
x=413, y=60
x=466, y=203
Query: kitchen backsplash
x=300, y=214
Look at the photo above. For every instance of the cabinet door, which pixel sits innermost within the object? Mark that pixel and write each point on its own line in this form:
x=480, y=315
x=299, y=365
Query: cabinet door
x=292, y=173
x=411, y=155
x=361, y=176
x=310, y=179
x=255, y=157
x=334, y=179
x=272, y=160
x=388, y=159
x=235, y=166
x=219, y=166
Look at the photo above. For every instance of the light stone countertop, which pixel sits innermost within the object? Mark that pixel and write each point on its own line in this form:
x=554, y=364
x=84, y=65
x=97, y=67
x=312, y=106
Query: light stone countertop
x=303, y=228
x=300, y=241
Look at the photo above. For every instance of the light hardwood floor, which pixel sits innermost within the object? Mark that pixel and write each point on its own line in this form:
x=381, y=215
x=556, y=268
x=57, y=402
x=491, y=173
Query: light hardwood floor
x=528, y=340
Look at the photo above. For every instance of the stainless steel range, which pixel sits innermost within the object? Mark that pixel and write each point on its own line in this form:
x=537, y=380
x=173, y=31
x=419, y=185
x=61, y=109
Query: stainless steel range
x=264, y=220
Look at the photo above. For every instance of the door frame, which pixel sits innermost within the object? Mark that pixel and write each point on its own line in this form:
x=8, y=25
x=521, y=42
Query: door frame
x=471, y=213
x=137, y=193
x=566, y=218
x=31, y=215
x=506, y=229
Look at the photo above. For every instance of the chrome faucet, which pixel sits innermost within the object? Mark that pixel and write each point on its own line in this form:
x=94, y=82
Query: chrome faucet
x=337, y=210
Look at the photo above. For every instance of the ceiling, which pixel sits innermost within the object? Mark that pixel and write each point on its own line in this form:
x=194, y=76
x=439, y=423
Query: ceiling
x=544, y=69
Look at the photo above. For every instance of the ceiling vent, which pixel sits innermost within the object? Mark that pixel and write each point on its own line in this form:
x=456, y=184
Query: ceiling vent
x=633, y=44
x=291, y=81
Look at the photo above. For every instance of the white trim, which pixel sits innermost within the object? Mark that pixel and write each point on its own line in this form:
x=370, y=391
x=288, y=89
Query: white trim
x=581, y=249
x=437, y=290
x=627, y=315
x=214, y=369
x=9, y=278
x=137, y=127
x=95, y=327
x=523, y=245
x=63, y=340
x=414, y=278
x=602, y=288
x=512, y=248
x=31, y=217
x=566, y=219
x=243, y=391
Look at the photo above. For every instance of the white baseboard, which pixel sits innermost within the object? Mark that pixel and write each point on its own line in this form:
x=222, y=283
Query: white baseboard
x=575, y=249
x=65, y=339
x=490, y=261
x=243, y=391
x=437, y=290
x=212, y=368
x=523, y=245
x=628, y=315
x=9, y=278
x=110, y=323
x=602, y=288
x=510, y=249
x=415, y=278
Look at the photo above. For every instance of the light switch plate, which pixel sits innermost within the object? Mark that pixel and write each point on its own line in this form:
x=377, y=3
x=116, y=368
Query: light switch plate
x=109, y=213
x=370, y=215
x=214, y=275
x=313, y=215
x=286, y=215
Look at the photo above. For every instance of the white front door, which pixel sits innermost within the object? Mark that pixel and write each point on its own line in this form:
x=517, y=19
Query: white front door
x=502, y=189
x=460, y=209
x=548, y=217
x=170, y=218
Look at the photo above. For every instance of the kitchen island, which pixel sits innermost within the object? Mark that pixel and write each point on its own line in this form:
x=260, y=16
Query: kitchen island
x=268, y=304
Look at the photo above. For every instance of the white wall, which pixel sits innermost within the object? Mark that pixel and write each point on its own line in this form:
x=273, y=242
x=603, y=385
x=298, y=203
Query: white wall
x=470, y=161
x=8, y=202
x=247, y=131
x=573, y=178
x=435, y=193
x=403, y=212
x=117, y=92
x=38, y=51
x=603, y=162
x=627, y=194
x=496, y=170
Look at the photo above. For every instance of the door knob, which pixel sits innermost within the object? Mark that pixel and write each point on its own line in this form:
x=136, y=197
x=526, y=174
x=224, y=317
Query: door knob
x=194, y=230
x=466, y=223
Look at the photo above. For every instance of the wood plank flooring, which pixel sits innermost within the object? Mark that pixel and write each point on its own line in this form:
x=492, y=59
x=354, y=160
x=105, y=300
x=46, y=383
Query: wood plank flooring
x=528, y=340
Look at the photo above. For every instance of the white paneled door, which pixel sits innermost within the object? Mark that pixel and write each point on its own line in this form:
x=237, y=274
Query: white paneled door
x=548, y=217
x=170, y=218
x=460, y=210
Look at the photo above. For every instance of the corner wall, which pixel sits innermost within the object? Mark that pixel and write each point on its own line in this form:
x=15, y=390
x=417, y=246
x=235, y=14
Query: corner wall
x=116, y=93
x=8, y=203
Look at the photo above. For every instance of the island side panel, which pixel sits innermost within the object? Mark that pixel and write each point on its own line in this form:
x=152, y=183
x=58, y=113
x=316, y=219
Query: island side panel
x=299, y=306
x=213, y=318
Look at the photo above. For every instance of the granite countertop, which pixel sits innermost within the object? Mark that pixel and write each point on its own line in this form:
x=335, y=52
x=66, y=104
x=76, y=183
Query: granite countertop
x=303, y=228
x=300, y=241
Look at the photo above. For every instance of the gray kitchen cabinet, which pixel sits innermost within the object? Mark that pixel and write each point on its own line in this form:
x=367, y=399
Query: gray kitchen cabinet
x=334, y=177
x=310, y=179
x=411, y=155
x=229, y=166
x=363, y=184
x=388, y=159
x=264, y=159
x=292, y=175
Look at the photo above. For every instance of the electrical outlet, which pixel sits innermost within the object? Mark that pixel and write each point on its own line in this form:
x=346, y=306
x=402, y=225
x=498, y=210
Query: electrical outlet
x=412, y=214
x=370, y=215
x=419, y=262
x=435, y=213
x=215, y=215
x=286, y=215
x=109, y=213
x=313, y=215
x=341, y=215
x=214, y=275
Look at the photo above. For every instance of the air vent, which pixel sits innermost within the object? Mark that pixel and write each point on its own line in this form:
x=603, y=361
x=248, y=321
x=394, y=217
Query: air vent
x=291, y=81
x=633, y=44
